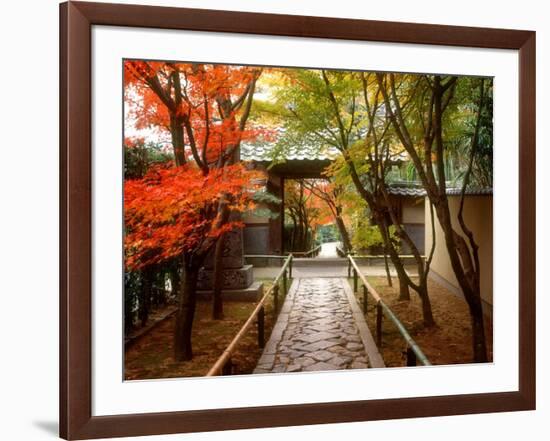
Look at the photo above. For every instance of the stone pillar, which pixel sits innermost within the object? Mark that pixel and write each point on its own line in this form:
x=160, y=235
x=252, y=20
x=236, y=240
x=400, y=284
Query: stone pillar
x=235, y=275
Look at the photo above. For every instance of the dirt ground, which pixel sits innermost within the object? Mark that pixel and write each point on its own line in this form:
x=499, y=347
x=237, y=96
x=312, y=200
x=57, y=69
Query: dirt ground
x=151, y=356
x=450, y=342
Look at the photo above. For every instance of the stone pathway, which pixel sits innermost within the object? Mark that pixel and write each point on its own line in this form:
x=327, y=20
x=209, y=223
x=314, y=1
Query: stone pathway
x=328, y=249
x=319, y=328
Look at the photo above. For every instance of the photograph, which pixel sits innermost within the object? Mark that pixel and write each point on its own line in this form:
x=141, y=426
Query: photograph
x=275, y=220
x=285, y=220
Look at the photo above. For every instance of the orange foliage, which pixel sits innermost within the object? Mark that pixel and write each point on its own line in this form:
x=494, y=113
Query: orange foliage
x=316, y=197
x=183, y=209
x=150, y=95
x=173, y=210
x=323, y=210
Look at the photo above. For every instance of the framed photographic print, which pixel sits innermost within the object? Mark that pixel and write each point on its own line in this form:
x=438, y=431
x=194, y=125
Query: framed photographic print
x=272, y=220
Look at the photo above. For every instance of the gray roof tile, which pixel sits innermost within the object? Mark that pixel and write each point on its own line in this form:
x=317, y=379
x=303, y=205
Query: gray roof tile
x=266, y=153
x=420, y=192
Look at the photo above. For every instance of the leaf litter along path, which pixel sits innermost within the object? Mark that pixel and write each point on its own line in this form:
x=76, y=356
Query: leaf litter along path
x=151, y=356
x=449, y=342
x=320, y=328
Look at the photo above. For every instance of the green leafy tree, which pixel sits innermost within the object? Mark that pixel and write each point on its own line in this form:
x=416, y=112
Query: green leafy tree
x=444, y=113
x=343, y=111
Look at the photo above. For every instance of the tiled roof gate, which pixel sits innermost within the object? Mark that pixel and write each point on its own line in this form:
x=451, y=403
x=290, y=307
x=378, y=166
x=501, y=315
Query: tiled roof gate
x=265, y=153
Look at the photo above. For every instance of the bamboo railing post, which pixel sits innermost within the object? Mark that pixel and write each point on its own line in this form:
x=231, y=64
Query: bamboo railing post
x=411, y=356
x=276, y=298
x=349, y=267
x=285, y=281
x=261, y=327
x=354, y=280
x=365, y=298
x=290, y=267
x=227, y=367
x=379, y=325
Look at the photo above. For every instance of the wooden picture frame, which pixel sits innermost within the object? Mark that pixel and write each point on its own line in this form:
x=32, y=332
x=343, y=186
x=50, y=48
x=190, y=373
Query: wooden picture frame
x=76, y=20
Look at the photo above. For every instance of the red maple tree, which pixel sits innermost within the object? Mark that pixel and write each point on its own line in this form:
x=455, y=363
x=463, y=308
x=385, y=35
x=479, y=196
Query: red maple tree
x=180, y=209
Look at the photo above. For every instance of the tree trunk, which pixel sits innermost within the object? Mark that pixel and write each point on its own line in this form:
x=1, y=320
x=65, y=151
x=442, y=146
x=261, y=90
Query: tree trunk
x=129, y=300
x=343, y=234
x=307, y=236
x=427, y=315
x=145, y=295
x=387, y=266
x=478, y=334
x=404, y=292
x=159, y=290
x=175, y=280
x=186, y=313
x=298, y=245
x=464, y=258
x=462, y=265
x=178, y=143
x=293, y=237
x=217, y=300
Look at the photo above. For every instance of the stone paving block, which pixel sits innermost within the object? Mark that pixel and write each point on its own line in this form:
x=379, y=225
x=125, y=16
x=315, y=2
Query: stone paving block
x=321, y=366
x=284, y=359
x=315, y=336
x=295, y=367
x=355, y=346
x=279, y=369
x=318, y=345
x=323, y=321
x=299, y=346
x=339, y=363
x=305, y=361
x=296, y=354
x=338, y=340
x=359, y=365
x=321, y=355
x=341, y=360
x=324, y=327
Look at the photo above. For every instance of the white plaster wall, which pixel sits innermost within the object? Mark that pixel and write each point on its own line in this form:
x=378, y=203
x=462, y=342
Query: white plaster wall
x=478, y=215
